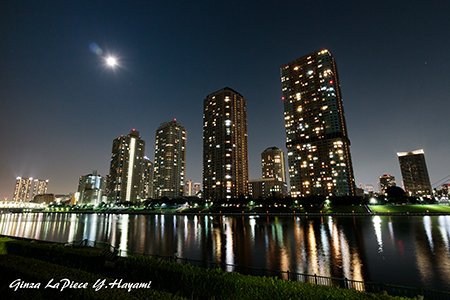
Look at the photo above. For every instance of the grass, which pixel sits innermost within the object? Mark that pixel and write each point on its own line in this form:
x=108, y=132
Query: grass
x=410, y=208
x=169, y=281
x=3, y=249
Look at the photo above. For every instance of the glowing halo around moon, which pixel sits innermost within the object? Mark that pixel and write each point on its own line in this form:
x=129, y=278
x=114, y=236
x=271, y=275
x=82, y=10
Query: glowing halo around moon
x=111, y=61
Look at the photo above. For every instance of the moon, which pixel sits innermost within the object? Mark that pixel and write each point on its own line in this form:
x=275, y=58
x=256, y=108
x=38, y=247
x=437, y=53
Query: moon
x=111, y=61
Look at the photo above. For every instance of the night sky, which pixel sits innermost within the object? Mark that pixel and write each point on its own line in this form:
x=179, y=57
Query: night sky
x=61, y=106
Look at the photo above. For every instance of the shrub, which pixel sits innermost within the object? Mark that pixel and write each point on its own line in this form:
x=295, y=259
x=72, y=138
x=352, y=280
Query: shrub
x=198, y=283
x=55, y=253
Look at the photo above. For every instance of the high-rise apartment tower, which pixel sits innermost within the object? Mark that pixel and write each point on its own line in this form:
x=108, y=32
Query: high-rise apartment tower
x=170, y=160
x=188, y=188
x=225, y=154
x=147, y=179
x=316, y=134
x=125, y=173
x=273, y=164
x=27, y=188
x=91, y=189
x=22, y=189
x=415, y=173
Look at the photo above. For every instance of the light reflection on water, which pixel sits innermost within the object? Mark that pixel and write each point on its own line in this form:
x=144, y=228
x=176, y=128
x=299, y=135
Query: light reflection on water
x=411, y=251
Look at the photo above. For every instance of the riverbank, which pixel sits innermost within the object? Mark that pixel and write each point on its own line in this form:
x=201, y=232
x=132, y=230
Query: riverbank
x=166, y=279
x=360, y=210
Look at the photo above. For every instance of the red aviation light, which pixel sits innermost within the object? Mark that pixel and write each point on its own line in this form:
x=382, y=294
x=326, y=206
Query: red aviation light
x=282, y=98
x=331, y=81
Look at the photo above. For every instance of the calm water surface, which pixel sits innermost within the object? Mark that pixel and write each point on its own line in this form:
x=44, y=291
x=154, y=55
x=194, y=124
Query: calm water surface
x=411, y=251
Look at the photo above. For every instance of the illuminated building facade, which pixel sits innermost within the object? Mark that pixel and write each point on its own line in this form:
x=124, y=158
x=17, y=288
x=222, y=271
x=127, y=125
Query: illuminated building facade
x=316, y=134
x=22, y=189
x=38, y=187
x=27, y=188
x=197, y=188
x=266, y=187
x=273, y=164
x=369, y=189
x=385, y=182
x=91, y=189
x=225, y=152
x=124, y=182
x=415, y=173
x=188, y=188
x=44, y=199
x=170, y=160
x=147, y=179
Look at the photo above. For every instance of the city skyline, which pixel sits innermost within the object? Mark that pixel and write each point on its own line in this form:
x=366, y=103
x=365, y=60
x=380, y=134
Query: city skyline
x=61, y=105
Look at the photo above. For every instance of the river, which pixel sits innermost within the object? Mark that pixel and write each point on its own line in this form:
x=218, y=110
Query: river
x=404, y=250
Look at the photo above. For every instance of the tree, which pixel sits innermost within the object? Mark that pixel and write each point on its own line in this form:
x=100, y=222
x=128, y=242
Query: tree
x=396, y=194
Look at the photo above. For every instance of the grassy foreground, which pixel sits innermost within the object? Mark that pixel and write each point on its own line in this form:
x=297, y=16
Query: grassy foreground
x=168, y=279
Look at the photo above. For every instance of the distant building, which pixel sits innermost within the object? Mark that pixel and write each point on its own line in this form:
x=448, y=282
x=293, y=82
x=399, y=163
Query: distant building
x=22, y=189
x=369, y=189
x=124, y=182
x=318, y=147
x=415, y=173
x=26, y=189
x=444, y=191
x=196, y=189
x=170, y=160
x=147, y=179
x=38, y=187
x=273, y=164
x=385, y=182
x=267, y=187
x=91, y=189
x=44, y=199
x=188, y=188
x=225, y=152
x=359, y=192
x=70, y=198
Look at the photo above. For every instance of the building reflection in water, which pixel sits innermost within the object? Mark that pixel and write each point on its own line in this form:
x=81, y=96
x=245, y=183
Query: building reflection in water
x=432, y=254
x=377, y=248
x=377, y=226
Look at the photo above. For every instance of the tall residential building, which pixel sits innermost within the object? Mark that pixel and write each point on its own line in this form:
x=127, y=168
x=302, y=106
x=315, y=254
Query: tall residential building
x=125, y=172
x=225, y=154
x=170, y=160
x=22, y=189
x=316, y=134
x=415, y=173
x=91, y=189
x=27, y=188
x=273, y=164
x=188, y=188
x=147, y=179
x=38, y=187
x=385, y=182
